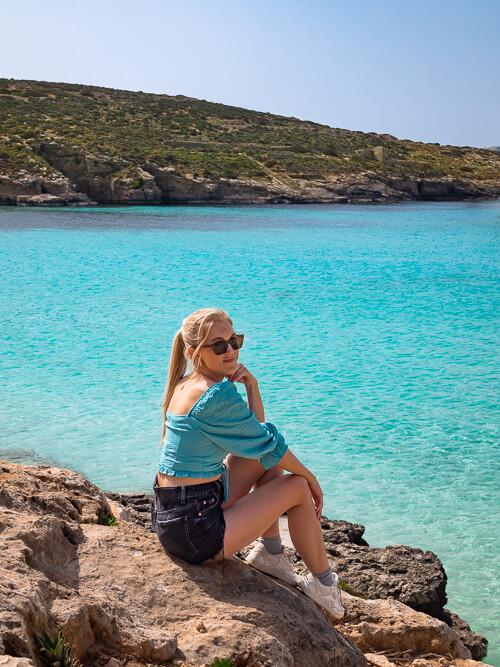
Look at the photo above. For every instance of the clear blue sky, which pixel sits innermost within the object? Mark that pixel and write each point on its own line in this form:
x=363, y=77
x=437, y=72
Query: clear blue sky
x=427, y=70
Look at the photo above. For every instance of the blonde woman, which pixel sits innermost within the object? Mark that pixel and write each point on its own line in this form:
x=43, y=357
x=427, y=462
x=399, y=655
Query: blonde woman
x=216, y=449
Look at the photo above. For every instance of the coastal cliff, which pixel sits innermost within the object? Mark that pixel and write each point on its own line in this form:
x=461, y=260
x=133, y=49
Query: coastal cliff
x=120, y=600
x=72, y=145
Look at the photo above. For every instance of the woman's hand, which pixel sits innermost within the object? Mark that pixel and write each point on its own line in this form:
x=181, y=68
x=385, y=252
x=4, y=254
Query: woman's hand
x=242, y=374
x=317, y=496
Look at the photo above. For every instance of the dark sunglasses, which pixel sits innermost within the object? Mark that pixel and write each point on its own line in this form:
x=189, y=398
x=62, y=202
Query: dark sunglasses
x=220, y=346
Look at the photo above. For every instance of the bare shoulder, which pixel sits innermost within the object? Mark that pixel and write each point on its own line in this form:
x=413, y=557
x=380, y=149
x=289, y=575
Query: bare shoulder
x=186, y=394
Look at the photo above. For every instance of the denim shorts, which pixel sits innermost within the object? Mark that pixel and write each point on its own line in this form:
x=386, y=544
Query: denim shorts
x=189, y=520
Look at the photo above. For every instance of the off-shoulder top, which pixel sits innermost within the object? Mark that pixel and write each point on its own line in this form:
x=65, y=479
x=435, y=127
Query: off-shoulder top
x=219, y=423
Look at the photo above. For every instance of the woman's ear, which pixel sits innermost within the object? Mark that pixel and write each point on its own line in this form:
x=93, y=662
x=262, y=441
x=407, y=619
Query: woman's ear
x=195, y=361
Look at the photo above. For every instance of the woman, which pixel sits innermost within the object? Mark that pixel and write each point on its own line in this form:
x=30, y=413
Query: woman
x=216, y=448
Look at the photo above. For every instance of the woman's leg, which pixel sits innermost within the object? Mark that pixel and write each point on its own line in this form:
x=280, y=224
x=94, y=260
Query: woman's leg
x=245, y=474
x=253, y=514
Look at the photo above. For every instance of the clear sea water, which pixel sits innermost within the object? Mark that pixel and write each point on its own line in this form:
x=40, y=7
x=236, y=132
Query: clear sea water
x=374, y=332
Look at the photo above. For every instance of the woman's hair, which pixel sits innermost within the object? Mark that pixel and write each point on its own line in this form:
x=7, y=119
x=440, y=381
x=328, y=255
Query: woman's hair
x=193, y=333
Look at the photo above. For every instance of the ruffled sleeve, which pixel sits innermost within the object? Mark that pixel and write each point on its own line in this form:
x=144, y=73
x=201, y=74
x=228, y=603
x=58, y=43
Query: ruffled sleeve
x=224, y=417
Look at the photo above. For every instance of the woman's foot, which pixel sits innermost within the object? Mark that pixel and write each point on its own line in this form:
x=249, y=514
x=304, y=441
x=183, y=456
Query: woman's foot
x=327, y=597
x=277, y=565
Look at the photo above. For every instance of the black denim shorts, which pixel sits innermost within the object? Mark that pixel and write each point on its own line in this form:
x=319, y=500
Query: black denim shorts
x=189, y=520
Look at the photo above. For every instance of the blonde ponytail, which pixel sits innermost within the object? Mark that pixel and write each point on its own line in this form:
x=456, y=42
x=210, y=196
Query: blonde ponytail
x=176, y=371
x=193, y=333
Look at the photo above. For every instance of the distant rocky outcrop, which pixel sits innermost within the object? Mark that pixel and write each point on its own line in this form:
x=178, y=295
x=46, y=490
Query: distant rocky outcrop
x=71, y=145
x=82, y=186
x=162, y=185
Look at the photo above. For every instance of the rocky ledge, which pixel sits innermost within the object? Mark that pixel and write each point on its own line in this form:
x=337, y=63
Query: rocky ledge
x=79, y=178
x=120, y=600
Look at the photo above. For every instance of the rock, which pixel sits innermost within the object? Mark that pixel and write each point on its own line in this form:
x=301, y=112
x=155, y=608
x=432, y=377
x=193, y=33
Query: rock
x=28, y=189
x=378, y=660
x=66, y=495
x=134, y=507
x=403, y=573
x=476, y=643
x=389, y=625
x=200, y=626
x=118, y=597
x=377, y=153
x=123, y=190
x=437, y=190
x=81, y=178
x=406, y=574
x=434, y=661
x=341, y=532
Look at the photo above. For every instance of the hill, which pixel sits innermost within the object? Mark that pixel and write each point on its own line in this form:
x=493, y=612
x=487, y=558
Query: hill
x=73, y=144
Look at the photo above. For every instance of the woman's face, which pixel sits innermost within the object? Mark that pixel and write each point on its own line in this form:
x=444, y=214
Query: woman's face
x=219, y=365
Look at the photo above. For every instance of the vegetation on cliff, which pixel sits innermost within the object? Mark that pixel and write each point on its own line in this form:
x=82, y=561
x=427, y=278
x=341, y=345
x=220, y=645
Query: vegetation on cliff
x=201, y=139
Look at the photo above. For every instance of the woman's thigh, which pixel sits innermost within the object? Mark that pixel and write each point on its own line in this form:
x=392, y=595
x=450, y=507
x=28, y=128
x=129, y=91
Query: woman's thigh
x=250, y=516
x=243, y=474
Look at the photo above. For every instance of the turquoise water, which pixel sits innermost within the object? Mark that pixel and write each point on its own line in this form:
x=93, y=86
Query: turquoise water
x=374, y=332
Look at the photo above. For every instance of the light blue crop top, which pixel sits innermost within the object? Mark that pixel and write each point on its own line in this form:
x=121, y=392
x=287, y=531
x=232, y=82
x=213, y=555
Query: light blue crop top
x=219, y=423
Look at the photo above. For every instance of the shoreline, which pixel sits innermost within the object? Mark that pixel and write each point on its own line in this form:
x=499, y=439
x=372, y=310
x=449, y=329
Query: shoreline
x=49, y=203
x=168, y=188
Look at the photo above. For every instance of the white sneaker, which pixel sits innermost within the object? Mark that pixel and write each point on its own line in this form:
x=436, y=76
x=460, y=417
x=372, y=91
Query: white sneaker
x=327, y=597
x=277, y=565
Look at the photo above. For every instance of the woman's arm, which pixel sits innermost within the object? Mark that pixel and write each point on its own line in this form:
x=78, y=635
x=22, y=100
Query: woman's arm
x=242, y=374
x=255, y=401
x=289, y=461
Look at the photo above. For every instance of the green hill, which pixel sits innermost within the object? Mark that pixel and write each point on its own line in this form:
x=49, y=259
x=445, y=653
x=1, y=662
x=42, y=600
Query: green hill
x=122, y=146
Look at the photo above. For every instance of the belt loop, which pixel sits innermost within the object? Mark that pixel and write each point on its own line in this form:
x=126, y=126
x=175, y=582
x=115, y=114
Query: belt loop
x=183, y=494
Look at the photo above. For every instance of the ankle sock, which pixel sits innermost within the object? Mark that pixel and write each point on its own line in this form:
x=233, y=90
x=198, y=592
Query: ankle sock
x=272, y=544
x=326, y=577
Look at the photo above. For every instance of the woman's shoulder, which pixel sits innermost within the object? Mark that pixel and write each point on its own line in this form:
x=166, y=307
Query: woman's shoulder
x=215, y=396
x=193, y=399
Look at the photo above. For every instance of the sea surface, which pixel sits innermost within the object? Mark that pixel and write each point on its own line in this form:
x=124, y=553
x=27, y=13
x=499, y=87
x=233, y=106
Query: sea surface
x=373, y=331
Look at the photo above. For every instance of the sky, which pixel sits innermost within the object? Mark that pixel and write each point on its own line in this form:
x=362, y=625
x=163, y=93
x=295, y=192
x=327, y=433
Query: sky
x=426, y=71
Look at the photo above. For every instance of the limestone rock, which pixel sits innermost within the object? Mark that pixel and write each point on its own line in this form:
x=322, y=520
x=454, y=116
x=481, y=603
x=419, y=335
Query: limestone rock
x=134, y=507
x=341, y=532
x=141, y=188
x=403, y=573
x=377, y=153
x=28, y=189
x=79, y=178
x=476, y=643
x=394, y=571
x=118, y=597
x=384, y=625
x=378, y=660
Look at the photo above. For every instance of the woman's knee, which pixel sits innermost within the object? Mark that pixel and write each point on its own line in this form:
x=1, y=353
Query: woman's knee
x=298, y=487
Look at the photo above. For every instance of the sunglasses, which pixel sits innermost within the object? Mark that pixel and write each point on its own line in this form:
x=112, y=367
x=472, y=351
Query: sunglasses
x=220, y=346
